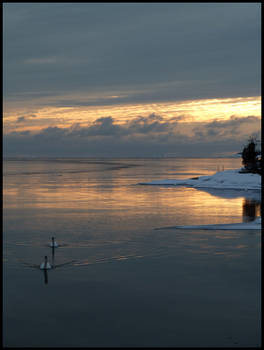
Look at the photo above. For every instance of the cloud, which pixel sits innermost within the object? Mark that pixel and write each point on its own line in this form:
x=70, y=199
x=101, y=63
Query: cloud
x=23, y=118
x=41, y=60
x=20, y=119
x=233, y=128
x=143, y=136
x=107, y=126
x=205, y=50
x=144, y=125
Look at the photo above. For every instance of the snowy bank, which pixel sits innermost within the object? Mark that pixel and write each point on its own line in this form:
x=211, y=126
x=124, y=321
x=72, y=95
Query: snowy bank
x=252, y=225
x=228, y=179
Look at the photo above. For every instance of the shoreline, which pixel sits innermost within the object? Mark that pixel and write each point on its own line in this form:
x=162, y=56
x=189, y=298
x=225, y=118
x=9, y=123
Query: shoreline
x=225, y=180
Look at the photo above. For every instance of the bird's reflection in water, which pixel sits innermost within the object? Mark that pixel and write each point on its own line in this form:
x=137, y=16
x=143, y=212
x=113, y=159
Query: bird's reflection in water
x=45, y=276
x=45, y=266
x=251, y=209
x=53, y=257
x=53, y=266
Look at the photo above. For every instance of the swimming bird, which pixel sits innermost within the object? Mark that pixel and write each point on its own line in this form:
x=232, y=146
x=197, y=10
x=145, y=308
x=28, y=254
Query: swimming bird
x=45, y=265
x=53, y=244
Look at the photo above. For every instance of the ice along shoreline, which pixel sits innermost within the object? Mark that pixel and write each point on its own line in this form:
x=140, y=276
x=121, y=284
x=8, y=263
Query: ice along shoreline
x=228, y=179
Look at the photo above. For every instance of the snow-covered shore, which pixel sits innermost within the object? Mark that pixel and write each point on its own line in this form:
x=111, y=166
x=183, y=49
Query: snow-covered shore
x=228, y=179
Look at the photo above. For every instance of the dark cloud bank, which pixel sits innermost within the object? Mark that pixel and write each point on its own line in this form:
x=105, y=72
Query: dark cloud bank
x=141, y=137
x=156, y=51
x=74, y=54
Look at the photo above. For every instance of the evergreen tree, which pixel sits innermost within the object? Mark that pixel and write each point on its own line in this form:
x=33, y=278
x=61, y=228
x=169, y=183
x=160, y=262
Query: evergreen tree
x=250, y=157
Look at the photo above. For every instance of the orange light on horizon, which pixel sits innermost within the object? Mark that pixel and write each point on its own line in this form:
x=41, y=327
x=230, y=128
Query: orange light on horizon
x=204, y=110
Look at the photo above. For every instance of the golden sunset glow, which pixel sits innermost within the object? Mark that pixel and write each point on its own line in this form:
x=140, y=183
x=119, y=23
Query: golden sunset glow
x=132, y=174
x=123, y=199
x=204, y=110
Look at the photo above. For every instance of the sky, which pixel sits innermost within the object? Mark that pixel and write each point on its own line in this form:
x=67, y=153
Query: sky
x=130, y=79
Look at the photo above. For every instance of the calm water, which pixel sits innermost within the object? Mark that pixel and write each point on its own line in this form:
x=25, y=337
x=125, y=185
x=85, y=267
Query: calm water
x=124, y=283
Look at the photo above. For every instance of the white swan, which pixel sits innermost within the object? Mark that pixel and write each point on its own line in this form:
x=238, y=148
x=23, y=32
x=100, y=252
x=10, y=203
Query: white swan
x=45, y=265
x=53, y=244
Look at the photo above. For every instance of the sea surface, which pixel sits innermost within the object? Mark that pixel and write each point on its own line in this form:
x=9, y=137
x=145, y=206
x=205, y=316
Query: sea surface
x=116, y=281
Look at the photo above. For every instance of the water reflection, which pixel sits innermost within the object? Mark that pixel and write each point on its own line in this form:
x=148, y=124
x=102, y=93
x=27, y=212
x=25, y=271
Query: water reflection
x=45, y=265
x=53, y=257
x=251, y=209
x=103, y=215
x=251, y=205
x=45, y=276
